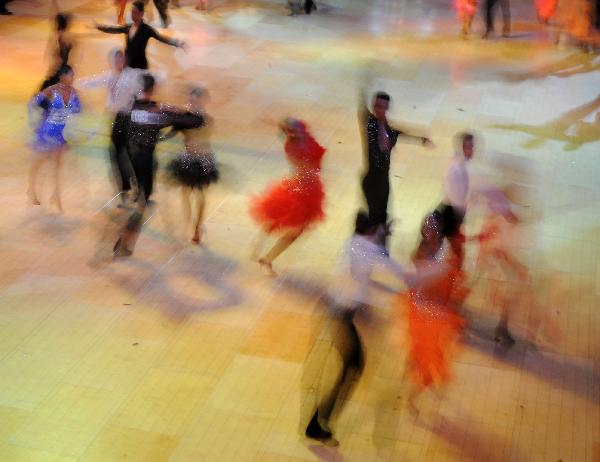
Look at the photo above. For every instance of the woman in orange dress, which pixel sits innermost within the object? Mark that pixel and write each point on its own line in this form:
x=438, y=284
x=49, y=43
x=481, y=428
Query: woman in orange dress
x=296, y=202
x=575, y=18
x=466, y=10
x=433, y=322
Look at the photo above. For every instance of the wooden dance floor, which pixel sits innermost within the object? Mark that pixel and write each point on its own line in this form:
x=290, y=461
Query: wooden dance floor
x=185, y=353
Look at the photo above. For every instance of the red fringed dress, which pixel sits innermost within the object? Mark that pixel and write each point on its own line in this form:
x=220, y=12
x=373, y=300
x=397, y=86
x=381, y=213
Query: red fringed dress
x=546, y=9
x=295, y=202
x=433, y=325
x=465, y=8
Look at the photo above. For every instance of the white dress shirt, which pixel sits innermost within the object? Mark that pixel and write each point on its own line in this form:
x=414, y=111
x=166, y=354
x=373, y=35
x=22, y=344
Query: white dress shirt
x=351, y=285
x=456, y=183
x=122, y=87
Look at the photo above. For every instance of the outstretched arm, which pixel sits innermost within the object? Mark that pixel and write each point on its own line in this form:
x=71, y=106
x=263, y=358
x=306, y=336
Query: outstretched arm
x=112, y=29
x=169, y=41
x=425, y=141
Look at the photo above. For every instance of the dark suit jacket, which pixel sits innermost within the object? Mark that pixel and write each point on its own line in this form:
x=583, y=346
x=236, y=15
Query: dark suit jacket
x=135, y=47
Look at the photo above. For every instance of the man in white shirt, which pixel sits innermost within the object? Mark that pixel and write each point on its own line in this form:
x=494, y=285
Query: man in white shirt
x=456, y=194
x=346, y=297
x=123, y=84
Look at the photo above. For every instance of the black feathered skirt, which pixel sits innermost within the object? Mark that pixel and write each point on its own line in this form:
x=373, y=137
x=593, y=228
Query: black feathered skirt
x=194, y=170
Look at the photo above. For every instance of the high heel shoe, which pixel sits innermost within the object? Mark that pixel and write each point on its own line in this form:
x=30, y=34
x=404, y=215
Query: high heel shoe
x=196, y=238
x=267, y=266
x=33, y=198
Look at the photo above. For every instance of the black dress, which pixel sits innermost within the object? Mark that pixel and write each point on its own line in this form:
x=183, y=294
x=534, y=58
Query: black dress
x=195, y=168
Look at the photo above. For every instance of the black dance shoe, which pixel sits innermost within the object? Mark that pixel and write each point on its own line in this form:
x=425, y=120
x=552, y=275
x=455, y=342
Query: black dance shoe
x=503, y=336
x=316, y=432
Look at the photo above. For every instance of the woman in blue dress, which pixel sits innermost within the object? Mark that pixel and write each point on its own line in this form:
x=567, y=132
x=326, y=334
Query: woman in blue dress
x=58, y=102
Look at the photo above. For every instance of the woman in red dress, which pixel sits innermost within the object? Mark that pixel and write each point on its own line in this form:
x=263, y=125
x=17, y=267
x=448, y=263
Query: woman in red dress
x=433, y=323
x=545, y=9
x=466, y=9
x=296, y=202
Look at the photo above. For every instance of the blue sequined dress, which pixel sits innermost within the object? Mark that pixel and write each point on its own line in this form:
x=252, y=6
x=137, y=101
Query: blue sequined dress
x=49, y=133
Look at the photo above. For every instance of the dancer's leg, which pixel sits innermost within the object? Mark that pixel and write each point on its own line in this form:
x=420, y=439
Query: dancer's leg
x=57, y=160
x=200, y=201
x=282, y=243
x=33, y=174
x=186, y=203
x=505, y=7
x=121, y=4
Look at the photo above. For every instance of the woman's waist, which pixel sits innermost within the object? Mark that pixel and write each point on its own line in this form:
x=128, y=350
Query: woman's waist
x=309, y=173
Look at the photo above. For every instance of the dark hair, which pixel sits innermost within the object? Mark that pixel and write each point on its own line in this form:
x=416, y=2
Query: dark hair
x=465, y=136
x=382, y=95
x=62, y=21
x=139, y=6
x=64, y=70
x=363, y=224
x=147, y=83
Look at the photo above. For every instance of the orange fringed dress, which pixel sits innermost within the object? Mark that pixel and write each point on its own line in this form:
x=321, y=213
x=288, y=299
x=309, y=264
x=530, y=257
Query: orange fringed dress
x=433, y=325
x=296, y=201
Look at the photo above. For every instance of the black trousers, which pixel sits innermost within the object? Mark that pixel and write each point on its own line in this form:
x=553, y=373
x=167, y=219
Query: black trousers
x=489, y=8
x=376, y=188
x=162, y=8
x=309, y=5
x=142, y=159
x=452, y=220
x=119, y=152
x=339, y=333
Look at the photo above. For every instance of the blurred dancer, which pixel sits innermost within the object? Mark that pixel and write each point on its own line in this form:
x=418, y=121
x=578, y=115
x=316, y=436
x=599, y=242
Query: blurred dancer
x=296, y=202
x=309, y=6
x=378, y=138
x=147, y=119
x=456, y=189
x=505, y=273
x=466, y=11
x=60, y=46
x=121, y=4
x=347, y=298
x=3, y=10
x=433, y=322
x=575, y=18
x=489, y=6
x=162, y=8
x=58, y=101
x=123, y=84
x=196, y=168
x=546, y=9
x=203, y=5
x=137, y=35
